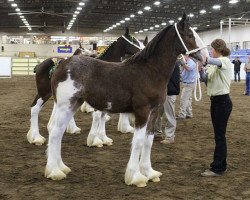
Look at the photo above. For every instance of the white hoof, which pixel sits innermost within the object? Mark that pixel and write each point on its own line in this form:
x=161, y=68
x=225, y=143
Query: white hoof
x=94, y=142
x=107, y=141
x=38, y=140
x=136, y=179
x=64, y=168
x=56, y=174
x=128, y=129
x=152, y=175
x=74, y=130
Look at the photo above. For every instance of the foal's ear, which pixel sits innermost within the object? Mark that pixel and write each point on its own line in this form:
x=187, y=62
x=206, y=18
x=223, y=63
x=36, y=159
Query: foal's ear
x=126, y=31
x=145, y=42
x=184, y=23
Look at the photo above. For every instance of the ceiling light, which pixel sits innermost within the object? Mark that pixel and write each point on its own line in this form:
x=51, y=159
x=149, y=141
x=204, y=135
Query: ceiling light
x=216, y=7
x=14, y=5
x=68, y=28
x=145, y=29
x=136, y=32
x=19, y=13
x=195, y=28
x=114, y=26
x=77, y=12
x=127, y=18
x=179, y=18
x=163, y=23
x=110, y=28
x=171, y=21
x=29, y=28
x=74, y=18
x=79, y=8
x=74, y=15
x=122, y=21
x=139, y=12
x=203, y=11
x=207, y=25
x=132, y=15
x=118, y=24
x=81, y=4
x=157, y=3
x=157, y=26
x=10, y=0
x=147, y=8
x=151, y=28
x=21, y=17
x=105, y=31
x=17, y=9
x=140, y=31
x=233, y=1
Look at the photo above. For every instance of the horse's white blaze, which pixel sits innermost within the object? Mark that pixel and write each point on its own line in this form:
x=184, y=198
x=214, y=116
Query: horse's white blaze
x=55, y=168
x=133, y=175
x=33, y=135
x=123, y=124
x=145, y=160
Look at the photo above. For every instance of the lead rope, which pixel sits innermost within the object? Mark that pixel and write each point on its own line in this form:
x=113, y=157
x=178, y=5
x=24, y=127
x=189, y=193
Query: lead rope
x=197, y=81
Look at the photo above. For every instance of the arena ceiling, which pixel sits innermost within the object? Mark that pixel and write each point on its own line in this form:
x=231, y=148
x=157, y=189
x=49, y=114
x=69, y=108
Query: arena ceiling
x=101, y=15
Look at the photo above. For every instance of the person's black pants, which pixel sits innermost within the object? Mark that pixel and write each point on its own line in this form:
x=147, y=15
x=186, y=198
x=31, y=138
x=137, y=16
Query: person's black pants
x=221, y=107
x=235, y=75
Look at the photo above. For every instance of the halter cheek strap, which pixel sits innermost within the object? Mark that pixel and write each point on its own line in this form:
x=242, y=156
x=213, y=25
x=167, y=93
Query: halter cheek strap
x=183, y=44
x=139, y=47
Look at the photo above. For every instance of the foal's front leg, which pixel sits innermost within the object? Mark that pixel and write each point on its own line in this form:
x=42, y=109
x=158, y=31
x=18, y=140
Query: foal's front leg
x=145, y=160
x=133, y=175
x=101, y=132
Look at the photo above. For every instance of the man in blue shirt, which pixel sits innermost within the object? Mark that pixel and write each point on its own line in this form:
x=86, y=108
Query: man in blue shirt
x=188, y=75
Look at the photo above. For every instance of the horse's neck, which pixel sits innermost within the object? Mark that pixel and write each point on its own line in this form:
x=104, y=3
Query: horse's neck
x=113, y=54
x=163, y=61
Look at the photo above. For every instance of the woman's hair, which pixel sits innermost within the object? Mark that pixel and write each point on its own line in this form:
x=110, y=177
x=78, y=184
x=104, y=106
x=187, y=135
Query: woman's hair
x=220, y=46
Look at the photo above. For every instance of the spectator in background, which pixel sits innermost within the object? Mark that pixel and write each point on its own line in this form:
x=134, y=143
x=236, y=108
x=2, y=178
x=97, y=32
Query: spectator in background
x=247, y=69
x=237, y=64
x=188, y=75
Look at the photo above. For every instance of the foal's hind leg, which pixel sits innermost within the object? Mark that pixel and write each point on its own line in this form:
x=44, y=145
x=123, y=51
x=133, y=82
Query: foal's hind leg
x=55, y=168
x=33, y=134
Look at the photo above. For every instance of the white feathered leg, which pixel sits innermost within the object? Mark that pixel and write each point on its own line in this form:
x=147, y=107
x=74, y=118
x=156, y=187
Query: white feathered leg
x=72, y=128
x=123, y=124
x=101, y=132
x=86, y=107
x=133, y=175
x=55, y=168
x=51, y=119
x=145, y=160
x=93, y=139
x=33, y=134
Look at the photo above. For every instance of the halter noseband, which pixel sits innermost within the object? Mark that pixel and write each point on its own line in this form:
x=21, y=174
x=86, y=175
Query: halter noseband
x=183, y=44
x=139, y=47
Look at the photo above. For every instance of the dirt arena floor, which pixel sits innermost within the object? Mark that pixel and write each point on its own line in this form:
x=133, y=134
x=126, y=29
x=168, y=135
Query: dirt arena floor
x=98, y=173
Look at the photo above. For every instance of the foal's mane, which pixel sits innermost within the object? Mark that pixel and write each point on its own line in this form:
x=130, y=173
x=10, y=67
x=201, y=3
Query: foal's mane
x=150, y=49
